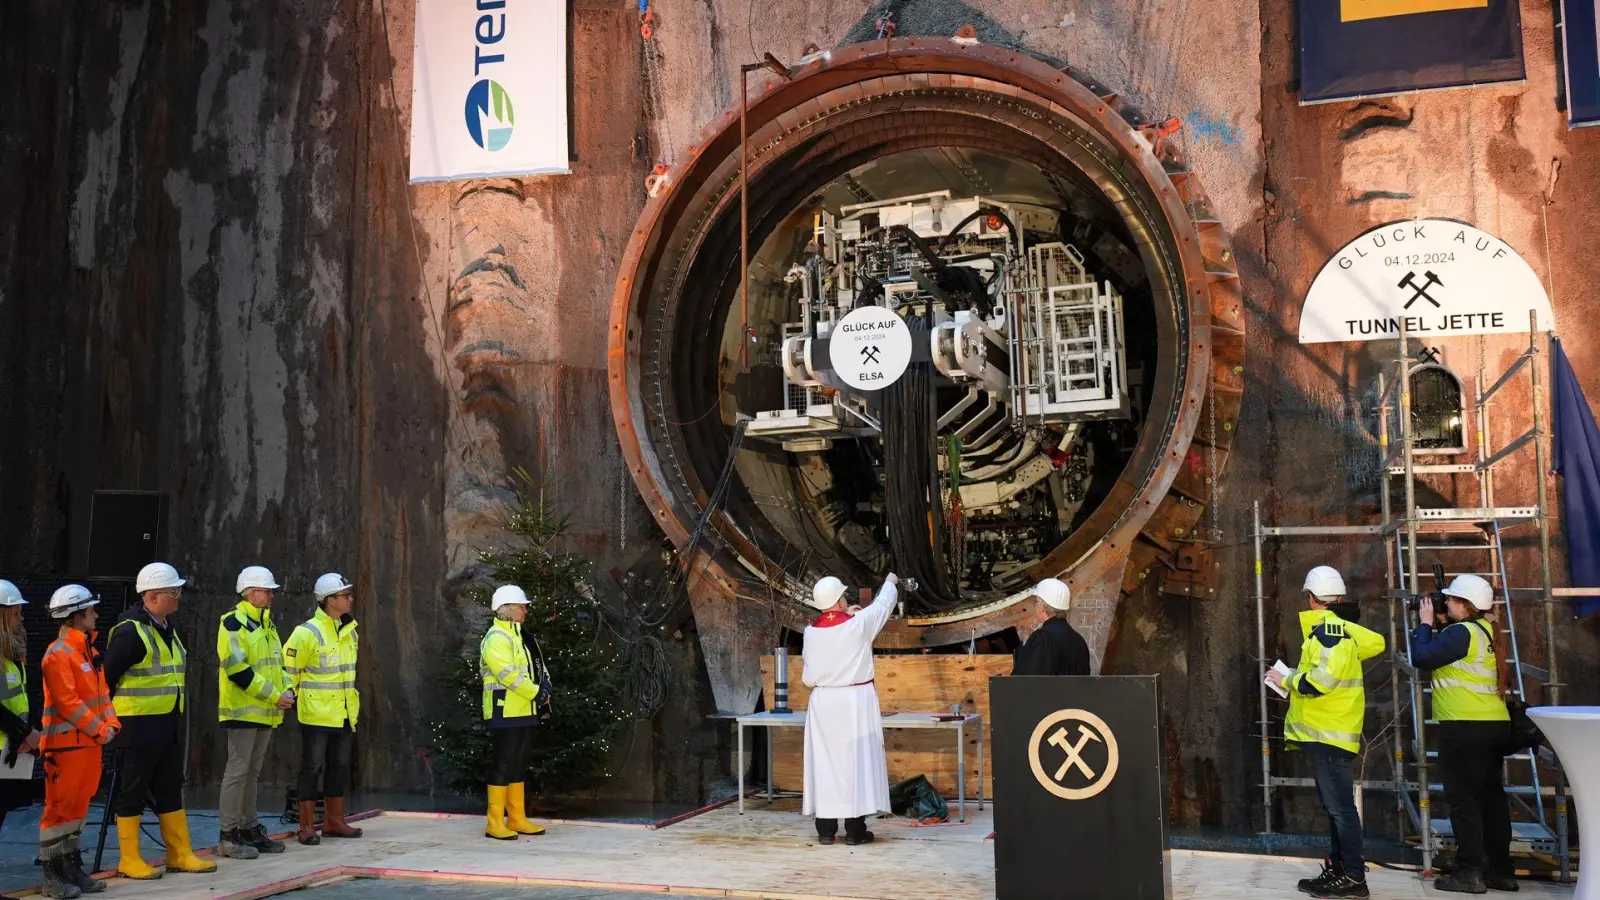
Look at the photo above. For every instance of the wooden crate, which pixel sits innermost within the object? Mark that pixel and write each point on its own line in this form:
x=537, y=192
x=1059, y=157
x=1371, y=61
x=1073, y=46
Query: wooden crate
x=925, y=684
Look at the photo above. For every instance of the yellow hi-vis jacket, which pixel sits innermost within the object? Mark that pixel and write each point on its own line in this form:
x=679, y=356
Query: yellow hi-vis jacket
x=14, y=697
x=248, y=644
x=510, y=686
x=1468, y=690
x=154, y=686
x=320, y=660
x=1330, y=663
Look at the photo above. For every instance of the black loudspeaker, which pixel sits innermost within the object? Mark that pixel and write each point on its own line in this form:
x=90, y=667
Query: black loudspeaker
x=127, y=530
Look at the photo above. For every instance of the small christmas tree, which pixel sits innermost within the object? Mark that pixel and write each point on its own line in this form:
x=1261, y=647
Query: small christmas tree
x=564, y=626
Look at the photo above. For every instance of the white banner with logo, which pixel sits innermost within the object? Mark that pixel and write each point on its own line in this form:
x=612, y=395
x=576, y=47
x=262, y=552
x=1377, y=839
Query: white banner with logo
x=1439, y=277
x=489, y=90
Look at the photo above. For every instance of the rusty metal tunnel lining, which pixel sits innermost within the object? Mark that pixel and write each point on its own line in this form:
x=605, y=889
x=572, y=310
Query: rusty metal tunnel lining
x=686, y=283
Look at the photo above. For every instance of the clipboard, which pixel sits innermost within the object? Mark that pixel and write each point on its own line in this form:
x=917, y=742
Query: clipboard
x=21, y=771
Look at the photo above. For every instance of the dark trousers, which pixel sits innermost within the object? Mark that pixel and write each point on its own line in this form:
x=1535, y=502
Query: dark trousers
x=512, y=747
x=853, y=828
x=1470, y=756
x=1331, y=770
x=324, y=763
x=149, y=773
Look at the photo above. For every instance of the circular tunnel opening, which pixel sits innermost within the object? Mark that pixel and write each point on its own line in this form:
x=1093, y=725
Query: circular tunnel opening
x=1039, y=255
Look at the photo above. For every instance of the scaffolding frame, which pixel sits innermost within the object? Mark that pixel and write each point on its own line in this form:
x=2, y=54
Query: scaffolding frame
x=1400, y=533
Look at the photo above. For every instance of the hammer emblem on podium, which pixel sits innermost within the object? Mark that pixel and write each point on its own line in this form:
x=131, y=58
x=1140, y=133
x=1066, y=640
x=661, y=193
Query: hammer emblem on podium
x=1052, y=739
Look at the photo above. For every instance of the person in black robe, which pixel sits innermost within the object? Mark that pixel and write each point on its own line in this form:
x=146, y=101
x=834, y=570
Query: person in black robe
x=1055, y=647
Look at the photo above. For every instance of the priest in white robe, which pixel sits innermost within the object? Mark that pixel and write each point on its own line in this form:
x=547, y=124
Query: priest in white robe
x=847, y=775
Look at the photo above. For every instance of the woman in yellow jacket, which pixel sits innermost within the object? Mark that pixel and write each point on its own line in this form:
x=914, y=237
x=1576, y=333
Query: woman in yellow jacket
x=319, y=660
x=512, y=694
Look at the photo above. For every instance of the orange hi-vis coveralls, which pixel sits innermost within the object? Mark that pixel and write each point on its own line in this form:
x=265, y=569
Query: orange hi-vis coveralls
x=77, y=720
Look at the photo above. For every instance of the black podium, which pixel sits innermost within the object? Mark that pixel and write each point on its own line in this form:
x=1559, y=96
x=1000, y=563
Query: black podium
x=1080, y=789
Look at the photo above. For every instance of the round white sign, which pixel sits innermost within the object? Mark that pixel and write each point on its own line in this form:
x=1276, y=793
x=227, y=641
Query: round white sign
x=1440, y=277
x=870, y=348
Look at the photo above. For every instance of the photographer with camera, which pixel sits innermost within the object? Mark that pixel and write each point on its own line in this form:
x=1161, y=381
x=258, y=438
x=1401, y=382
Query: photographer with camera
x=1474, y=731
x=1327, y=710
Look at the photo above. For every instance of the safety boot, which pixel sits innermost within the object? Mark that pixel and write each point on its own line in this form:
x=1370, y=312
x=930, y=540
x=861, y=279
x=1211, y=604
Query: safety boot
x=74, y=868
x=1463, y=881
x=1344, y=885
x=1330, y=871
x=129, y=863
x=333, y=823
x=496, y=827
x=307, y=832
x=517, y=813
x=257, y=837
x=180, y=855
x=232, y=846
x=58, y=880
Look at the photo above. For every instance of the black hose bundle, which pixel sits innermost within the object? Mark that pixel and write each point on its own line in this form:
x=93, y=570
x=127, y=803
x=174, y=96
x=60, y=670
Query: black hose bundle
x=914, y=506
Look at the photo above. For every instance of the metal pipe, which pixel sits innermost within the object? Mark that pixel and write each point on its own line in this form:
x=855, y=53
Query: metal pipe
x=1261, y=654
x=1408, y=450
x=1398, y=755
x=1553, y=685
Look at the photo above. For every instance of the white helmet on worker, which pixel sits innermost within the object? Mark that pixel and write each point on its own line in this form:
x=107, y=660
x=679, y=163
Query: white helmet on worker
x=1324, y=582
x=1054, y=592
x=827, y=592
x=508, y=595
x=69, y=598
x=9, y=595
x=158, y=576
x=1472, y=589
x=330, y=584
x=254, y=577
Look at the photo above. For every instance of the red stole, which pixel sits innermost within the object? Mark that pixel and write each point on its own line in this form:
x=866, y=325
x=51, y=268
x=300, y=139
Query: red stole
x=831, y=618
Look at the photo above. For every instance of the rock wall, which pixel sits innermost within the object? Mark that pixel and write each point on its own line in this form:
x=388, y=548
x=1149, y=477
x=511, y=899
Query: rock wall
x=215, y=282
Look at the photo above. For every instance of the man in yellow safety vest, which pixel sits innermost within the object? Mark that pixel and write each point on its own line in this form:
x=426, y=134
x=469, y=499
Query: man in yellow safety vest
x=1474, y=731
x=144, y=667
x=320, y=661
x=1327, y=709
x=252, y=693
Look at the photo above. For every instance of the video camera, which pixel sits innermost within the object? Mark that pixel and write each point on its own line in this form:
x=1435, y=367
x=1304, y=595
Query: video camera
x=1414, y=601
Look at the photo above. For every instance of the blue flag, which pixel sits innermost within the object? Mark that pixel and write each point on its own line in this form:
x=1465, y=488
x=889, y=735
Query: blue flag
x=1577, y=452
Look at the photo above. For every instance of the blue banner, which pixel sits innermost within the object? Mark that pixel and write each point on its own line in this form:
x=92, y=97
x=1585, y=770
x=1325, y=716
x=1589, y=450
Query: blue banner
x=1578, y=30
x=1363, y=48
x=1577, y=452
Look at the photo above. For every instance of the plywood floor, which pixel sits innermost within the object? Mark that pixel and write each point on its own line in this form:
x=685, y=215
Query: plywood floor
x=767, y=853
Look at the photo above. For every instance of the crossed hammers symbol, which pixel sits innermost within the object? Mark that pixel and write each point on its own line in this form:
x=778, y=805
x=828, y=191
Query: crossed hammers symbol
x=1074, y=751
x=1410, y=281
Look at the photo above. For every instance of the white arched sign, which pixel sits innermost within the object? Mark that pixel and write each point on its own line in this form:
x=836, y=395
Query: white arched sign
x=1441, y=277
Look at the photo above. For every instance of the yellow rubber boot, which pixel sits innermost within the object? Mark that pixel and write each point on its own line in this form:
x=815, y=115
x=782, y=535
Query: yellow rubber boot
x=180, y=855
x=496, y=827
x=129, y=863
x=517, y=813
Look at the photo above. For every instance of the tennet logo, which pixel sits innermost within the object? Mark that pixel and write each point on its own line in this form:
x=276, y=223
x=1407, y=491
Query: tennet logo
x=489, y=114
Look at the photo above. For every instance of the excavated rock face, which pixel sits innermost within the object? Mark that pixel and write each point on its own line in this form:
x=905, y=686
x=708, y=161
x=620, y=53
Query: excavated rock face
x=213, y=282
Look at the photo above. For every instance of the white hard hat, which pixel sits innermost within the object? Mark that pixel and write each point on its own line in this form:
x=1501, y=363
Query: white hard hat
x=1324, y=582
x=254, y=577
x=69, y=598
x=827, y=592
x=157, y=576
x=1472, y=589
x=9, y=595
x=330, y=584
x=508, y=595
x=1054, y=593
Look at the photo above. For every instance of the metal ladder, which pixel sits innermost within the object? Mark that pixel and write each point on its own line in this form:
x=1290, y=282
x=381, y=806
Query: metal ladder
x=1520, y=772
x=1483, y=526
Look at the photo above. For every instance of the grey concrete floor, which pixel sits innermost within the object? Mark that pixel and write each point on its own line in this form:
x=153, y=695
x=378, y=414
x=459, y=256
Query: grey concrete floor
x=393, y=889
